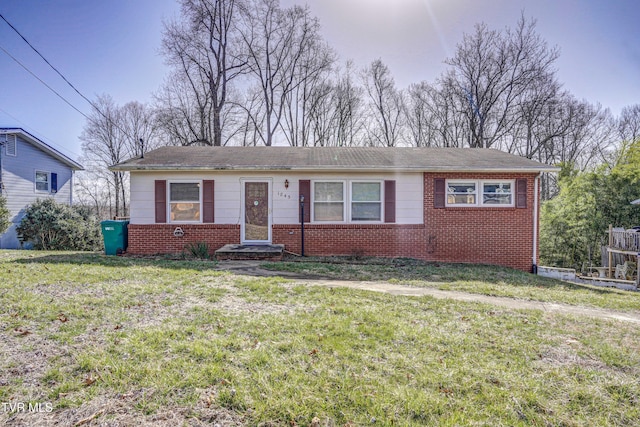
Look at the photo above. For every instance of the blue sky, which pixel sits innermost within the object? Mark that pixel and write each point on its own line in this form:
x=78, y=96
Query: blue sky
x=111, y=47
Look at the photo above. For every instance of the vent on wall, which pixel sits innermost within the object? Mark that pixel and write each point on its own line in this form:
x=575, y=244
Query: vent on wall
x=11, y=144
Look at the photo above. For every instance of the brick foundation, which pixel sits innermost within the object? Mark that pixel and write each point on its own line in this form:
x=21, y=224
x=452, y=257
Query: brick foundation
x=486, y=235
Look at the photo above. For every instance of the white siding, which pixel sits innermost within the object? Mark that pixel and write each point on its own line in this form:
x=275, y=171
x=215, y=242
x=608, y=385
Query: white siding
x=409, y=193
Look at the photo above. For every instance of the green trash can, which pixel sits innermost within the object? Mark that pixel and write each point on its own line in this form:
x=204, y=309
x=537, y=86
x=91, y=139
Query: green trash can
x=115, y=236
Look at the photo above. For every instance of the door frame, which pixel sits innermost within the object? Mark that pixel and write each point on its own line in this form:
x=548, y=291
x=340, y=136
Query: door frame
x=243, y=183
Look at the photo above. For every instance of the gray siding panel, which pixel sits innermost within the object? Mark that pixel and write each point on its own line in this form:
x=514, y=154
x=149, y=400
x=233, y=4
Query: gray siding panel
x=18, y=175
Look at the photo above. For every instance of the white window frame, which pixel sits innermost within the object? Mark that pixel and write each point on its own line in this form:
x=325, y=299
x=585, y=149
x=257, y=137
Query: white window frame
x=479, y=193
x=512, y=184
x=169, y=202
x=379, y=202
x=345, y=199
x=35, y=181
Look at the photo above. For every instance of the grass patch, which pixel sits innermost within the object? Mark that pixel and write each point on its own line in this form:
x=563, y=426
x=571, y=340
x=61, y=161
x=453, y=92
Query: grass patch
x=150, y=340
x=479, y=279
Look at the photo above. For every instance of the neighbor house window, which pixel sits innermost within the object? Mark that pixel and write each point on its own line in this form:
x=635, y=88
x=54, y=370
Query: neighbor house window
x=328, y=201
x=366, y=201
x=42, y=181
x=461, y=193
x=184, y=201
x=497, y=193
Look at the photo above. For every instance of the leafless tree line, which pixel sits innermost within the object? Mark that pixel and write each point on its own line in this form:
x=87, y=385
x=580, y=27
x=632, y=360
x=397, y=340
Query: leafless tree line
x=250, y=72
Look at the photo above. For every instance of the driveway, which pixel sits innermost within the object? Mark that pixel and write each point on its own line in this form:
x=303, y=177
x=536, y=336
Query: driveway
x=252, y=268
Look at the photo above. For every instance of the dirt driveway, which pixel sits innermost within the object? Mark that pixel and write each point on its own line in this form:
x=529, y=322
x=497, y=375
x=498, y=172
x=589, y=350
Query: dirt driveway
x=252, y=268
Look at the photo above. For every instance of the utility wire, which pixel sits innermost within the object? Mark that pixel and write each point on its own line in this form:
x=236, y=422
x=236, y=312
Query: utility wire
x=48, y=63
x=42, y=81
x=95, y=107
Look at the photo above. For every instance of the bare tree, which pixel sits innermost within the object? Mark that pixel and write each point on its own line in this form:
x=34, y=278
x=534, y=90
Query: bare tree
x=112, y=135
x=491, y=72
x=386, y=121
x=205, y=53
x=104, y=143
x=629, y=123
x=279, y=43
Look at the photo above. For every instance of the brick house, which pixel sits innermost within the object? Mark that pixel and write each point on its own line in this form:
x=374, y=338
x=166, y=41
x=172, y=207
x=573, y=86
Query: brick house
x=436, y=204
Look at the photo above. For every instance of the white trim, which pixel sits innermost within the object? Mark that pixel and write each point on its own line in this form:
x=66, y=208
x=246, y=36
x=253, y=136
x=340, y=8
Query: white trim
x=535, y=218
x=243, y=182
x=183, y=181
x=313, y=199
x=479, y=193
x=35, y=181
x=380, y=202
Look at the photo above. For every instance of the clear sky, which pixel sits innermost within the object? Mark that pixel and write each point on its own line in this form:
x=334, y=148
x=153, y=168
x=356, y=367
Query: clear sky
x=111, y=47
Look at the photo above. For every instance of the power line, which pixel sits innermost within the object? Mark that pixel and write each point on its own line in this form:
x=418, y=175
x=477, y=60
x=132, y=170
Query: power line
x=48, y=63
x=95, y=107
x=42, y=81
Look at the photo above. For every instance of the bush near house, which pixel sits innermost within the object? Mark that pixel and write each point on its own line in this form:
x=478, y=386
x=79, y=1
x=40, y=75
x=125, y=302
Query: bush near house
x=4, y=215
x=49, y=225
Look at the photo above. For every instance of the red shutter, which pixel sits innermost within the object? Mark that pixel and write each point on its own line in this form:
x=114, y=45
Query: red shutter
x=440, y=193
x=304, y=189
x=161, y=201
x=390, y=201
x=207, y=201
x=521, y=193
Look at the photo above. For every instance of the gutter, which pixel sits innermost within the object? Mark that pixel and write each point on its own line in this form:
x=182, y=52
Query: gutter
x=536, y=197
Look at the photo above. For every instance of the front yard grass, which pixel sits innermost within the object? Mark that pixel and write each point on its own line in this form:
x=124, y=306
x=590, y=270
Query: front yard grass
x=479, y=279
x=109, y=340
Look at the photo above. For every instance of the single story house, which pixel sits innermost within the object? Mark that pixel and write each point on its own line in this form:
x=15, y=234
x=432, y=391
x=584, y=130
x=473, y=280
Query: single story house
x=436, y=204
x=30, y=170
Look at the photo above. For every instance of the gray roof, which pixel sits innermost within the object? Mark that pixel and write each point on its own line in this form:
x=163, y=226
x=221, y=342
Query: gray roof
x=43, y=146
x=331, y=159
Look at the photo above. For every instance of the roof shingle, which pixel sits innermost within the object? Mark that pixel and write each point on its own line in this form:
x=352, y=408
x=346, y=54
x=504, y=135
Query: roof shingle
x=332, y=158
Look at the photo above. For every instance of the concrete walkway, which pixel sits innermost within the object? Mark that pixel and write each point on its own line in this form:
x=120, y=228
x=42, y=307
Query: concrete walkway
x=252, y=268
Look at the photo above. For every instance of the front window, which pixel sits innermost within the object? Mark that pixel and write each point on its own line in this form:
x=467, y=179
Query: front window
x=184, y=201
x=461, y=193
x=366, y=202
x=42, y=181
x=497, y=193
x=328, y=202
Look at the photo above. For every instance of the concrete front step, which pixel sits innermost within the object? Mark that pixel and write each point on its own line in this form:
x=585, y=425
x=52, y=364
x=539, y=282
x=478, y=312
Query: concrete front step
x=250, y=252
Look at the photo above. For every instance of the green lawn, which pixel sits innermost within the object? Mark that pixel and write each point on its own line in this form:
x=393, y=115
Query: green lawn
x=109, y=340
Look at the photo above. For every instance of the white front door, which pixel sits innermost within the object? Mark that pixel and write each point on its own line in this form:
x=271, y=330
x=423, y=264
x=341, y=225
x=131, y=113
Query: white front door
x=256, y=212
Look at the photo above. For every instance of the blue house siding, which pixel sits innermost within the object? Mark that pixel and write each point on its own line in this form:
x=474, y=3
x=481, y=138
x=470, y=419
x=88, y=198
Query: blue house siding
x=19, y=183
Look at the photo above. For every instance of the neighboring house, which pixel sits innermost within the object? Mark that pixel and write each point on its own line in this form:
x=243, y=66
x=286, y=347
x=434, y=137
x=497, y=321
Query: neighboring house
x=438, y=204
x=31, y=170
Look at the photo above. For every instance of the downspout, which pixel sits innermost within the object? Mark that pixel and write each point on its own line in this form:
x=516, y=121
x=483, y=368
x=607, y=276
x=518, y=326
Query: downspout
x=536, y=197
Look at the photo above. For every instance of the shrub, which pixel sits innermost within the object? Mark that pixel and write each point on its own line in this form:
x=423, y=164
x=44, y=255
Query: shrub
x=198, y=250
x=4, y=215
x=49, y=225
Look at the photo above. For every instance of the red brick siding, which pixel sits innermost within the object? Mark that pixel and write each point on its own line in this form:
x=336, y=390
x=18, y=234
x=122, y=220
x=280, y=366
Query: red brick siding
x=159, y=239
x=500, y=236
x=385, y=240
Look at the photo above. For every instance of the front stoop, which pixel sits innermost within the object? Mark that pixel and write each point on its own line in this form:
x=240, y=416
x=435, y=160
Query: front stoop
x=250, y=252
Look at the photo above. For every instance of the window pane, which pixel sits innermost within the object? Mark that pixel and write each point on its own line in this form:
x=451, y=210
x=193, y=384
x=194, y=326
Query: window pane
x=365, y=211
x=497, y=193
x=461, y=193
x=42, y=181
x=365, y=192
x=185, y=211
x=188, y=192
x=328, y=192
x=327, y=212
